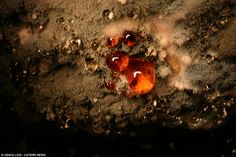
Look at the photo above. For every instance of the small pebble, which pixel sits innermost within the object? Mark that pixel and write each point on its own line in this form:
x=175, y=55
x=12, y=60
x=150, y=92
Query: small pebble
x=34, y=16
x=95, y=100
x=24, y=72
x=122, y=1
x=234, y=151
x=40, y=27
x=154, y=103
x=110, y=15
x=13, y=50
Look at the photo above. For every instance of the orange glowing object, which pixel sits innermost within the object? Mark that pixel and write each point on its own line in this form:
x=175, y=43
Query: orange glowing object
x=129, y=38
x=112, y=42
x=140, y=75
x=117, y=61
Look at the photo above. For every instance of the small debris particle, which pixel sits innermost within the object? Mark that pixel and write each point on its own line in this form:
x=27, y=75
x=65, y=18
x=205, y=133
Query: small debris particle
x=34, y=16
x=40, y=27
x=95, y=100
x=122, y=1
x=24, y=72
x=234, y=151
x=154, y=103
x=110, y=15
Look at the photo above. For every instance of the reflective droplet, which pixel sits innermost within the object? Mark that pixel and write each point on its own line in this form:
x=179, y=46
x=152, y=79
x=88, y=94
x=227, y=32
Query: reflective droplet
x=129, y=38
x=140, y=75
x=117, y=61
x=112, y=42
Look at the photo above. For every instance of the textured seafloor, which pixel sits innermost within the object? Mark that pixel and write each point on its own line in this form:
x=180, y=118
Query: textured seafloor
x=52, y=57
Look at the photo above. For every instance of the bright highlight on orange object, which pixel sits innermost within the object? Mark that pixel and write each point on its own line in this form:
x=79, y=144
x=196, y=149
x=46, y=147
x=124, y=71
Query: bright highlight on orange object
x=117, y=61
x=140, y=75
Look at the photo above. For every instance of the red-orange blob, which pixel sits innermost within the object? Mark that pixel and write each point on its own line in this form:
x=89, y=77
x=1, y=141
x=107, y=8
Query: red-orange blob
x=112, y=42
x=140, y=75
x=131, y=76
x=117, y=61
x=129, y=38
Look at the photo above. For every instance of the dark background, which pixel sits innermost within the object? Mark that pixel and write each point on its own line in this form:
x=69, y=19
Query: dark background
x=45, y=137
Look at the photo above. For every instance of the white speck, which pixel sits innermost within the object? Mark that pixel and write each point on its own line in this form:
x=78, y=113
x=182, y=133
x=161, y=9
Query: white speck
x=162, y=55
x=41, y=27
x=224, y=115
x=114, y=58
x=34, y=16
x=78, y=42
x=108, y=132
x=69, y=52
x=95, y=100
x=24, y=72
x=137, y=72
x=110, y=15
x=154, y=103
x=13, y=50
x=122, y=1
x=234, y=151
